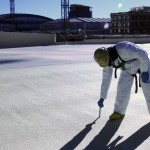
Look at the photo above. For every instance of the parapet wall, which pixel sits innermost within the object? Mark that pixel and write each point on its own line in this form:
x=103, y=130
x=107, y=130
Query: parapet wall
x=136, y=40
x=140, y=39
x=21, y=39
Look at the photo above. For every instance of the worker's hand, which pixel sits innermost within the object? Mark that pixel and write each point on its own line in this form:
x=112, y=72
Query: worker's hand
x=145, y=77
x=100, y=103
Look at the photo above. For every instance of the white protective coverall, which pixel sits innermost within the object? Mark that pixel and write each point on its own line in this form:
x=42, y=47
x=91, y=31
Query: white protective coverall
x=136, y=59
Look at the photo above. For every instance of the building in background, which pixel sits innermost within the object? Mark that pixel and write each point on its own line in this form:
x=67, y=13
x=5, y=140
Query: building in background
x=22, y=22
x=80, y=22
x=82, y=26
x=136, y=21
x=80, y=11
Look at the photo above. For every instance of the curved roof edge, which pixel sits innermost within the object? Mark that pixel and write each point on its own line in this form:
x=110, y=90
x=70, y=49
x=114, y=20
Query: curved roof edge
x=23, y=14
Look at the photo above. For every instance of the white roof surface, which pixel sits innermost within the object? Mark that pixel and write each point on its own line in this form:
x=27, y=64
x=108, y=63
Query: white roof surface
x=49, y=102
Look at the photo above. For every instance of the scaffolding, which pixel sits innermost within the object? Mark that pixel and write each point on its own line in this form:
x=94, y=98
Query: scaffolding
x=65, y=15
x=12, y=6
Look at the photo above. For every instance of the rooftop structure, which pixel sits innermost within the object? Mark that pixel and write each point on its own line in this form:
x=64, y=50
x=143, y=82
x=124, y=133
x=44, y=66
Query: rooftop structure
x=80, y=11
x=140, y=9
x=80, y=25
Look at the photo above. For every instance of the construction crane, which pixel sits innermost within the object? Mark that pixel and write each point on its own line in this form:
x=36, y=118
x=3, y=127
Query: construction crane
x=12, y=6
x=65, y=15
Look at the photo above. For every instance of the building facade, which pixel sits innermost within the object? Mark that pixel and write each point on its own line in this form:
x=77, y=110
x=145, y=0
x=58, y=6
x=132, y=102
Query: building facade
x=136, y=21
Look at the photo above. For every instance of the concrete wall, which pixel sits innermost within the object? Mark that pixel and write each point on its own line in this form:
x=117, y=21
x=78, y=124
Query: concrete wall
x=111, y=40
x=137, y=40
x=20, y=39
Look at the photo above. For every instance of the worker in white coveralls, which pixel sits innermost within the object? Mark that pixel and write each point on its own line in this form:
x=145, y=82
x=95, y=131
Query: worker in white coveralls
x=131, y=59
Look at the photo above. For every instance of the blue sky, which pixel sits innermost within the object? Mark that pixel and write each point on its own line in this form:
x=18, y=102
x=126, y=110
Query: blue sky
x=52, y=8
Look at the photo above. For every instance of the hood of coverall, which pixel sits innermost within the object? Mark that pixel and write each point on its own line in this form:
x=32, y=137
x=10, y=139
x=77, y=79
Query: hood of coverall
x=101, y=56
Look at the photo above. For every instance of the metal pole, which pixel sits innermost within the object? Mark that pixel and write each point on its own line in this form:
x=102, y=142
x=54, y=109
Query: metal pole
x=99, y=112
